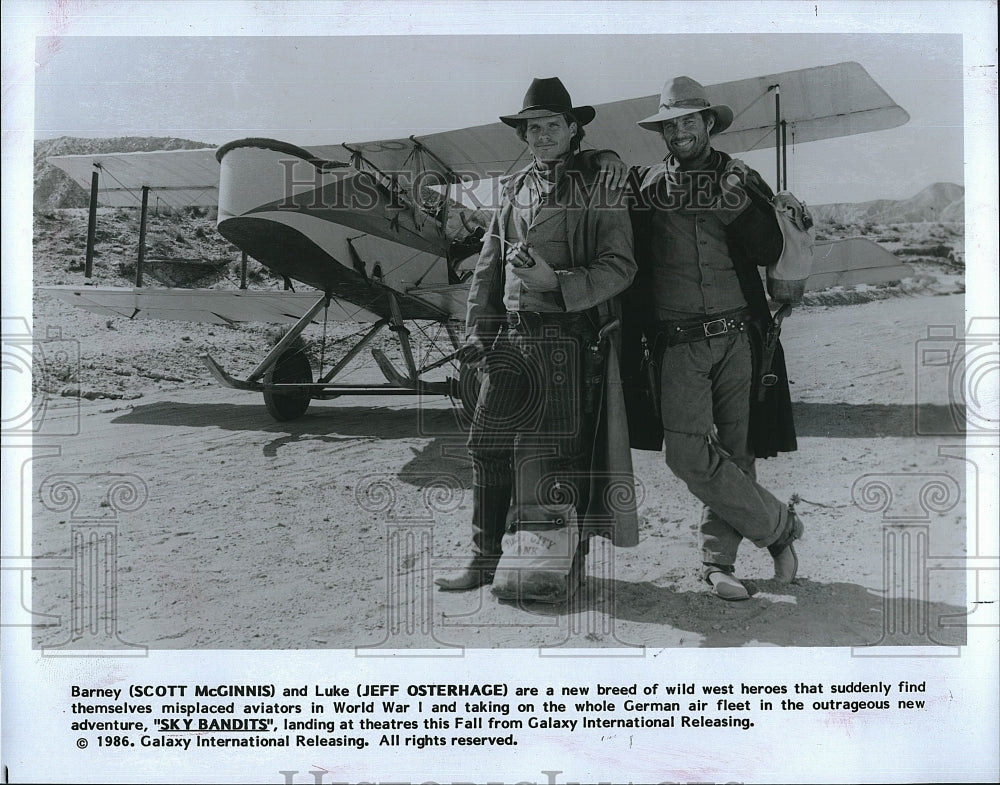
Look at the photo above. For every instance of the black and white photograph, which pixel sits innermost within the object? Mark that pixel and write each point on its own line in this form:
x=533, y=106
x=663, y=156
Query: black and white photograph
x=611, y=388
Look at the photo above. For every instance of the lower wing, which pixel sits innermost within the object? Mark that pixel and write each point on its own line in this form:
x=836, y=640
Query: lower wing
x=220, y=306
x=851, y=261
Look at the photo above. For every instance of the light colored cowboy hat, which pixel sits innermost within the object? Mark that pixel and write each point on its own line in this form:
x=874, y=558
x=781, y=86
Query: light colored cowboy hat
x=545, y=98
x=682, y=96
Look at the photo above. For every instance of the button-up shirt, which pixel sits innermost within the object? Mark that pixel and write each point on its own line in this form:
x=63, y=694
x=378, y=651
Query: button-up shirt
x=536, y=220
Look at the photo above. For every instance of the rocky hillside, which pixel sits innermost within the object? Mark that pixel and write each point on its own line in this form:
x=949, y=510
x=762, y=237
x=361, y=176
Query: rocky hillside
x=938, y=202
x=54, y=189
x=60, y=243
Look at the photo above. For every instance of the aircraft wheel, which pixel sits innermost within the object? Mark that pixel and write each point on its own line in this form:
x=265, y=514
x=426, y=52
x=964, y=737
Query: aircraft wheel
x=292, y=366
x=469, y=382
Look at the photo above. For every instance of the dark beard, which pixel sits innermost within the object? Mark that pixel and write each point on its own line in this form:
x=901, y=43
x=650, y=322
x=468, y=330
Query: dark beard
x=694, y=157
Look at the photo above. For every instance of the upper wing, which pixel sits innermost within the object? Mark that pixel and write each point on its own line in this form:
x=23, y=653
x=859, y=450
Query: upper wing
x=181, y=178
x=816, y=103
x=403, y=250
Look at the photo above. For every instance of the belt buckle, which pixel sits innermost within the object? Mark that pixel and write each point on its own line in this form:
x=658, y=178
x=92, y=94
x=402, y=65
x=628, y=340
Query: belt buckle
x=715, y=327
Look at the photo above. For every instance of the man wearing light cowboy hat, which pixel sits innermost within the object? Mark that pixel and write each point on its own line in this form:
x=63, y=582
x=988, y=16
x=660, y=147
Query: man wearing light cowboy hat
x=549, y=439
x=703, y=224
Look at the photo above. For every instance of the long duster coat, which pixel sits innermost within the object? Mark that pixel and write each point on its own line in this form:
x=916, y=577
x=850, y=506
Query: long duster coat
x=599, y=236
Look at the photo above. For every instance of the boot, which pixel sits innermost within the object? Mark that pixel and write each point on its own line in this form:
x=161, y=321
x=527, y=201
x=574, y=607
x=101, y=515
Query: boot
x=786, y=561
x=489, y=517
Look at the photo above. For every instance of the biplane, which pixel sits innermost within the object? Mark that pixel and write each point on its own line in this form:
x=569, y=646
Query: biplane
x=387, y=232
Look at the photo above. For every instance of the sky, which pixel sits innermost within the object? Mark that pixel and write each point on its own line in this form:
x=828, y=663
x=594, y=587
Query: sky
x=331, y=89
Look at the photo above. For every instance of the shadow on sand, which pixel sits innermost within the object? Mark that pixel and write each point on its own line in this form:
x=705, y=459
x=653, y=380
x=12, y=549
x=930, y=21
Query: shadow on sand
x=806, y=613
x=379, y=422
x=833, y=420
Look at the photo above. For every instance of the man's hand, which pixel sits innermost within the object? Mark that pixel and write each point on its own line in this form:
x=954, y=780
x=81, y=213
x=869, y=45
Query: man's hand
x=532, y=269
x=517, y=255
x=612, y=171
x=734, y=195
x=736, y=167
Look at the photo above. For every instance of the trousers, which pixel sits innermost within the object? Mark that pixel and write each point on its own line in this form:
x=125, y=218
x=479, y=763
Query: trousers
x=533, y=425
x=705, y=408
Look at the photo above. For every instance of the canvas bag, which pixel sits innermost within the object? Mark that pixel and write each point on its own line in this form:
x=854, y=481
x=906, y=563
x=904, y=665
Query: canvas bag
x=786, y=278
x=538, y=553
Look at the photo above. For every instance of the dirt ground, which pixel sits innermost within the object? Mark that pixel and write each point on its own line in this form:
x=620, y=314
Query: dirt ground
x=219, y=527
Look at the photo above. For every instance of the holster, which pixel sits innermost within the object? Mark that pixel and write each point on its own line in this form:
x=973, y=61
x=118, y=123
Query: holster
x=653, y=361
x=769, y=343
x=641, y=388
x=594, y=359
x=594, y=362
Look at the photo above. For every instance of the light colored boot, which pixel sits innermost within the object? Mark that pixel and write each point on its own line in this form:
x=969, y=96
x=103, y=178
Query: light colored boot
x=724, y=583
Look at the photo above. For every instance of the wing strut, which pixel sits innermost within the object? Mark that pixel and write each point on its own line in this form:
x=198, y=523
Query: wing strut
x=288, y=338
x=399, y=328
x=141, y=260
x=451, y=179
x=777, y=133
x=784, y=154
x=354, y=351
x=95, y=179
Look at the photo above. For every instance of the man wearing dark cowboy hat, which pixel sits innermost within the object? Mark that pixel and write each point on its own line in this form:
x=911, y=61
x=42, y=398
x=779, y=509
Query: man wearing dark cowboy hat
x=548, y=434
x=703, y=224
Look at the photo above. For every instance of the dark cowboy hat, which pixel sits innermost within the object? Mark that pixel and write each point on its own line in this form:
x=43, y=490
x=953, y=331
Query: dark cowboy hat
x=682, y=96
x=547, y=97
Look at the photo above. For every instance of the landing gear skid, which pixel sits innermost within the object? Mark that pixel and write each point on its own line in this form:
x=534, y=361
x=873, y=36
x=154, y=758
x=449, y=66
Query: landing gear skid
x=285, y=376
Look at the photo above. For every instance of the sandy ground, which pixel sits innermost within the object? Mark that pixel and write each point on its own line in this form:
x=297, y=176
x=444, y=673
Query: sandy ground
x=231, y=530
